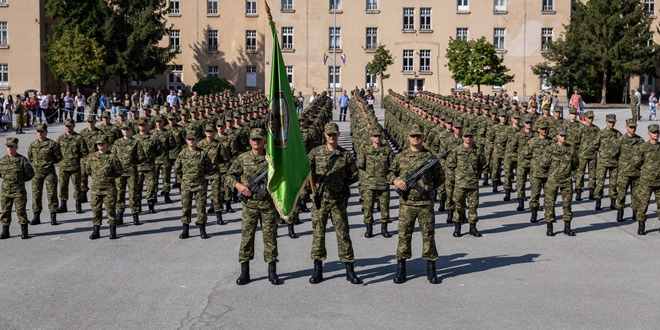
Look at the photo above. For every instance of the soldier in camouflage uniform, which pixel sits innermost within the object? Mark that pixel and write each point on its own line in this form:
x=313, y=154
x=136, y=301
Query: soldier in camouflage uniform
x=564, y=160
x=103, y=166
x=43, y=153
x=163, y=165
x=451, y=141
x=588, y=153
x=510, y=154
x=628, y=170
x=414, y=205
x=608, y=159
x=536, y=152
x=90, y=134
x=498, y=136
x=73, y=148
x=197, y=165
x=212, y=147
x=110, y=131
x=224, y=161
x=648, y=162
x=147, y=165
x=177, y=133
x=331, y=194
x=523, y=166
x=15, y=171
x=255, y=208
x=128, y=152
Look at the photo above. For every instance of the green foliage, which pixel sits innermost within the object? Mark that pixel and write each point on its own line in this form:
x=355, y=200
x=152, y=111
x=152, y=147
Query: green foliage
x=475, y=62
x=212, y=84
x=378, y=66
x=75, y=58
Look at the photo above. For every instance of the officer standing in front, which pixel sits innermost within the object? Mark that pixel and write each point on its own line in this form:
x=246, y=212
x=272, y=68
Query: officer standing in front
x=564, y=160
x=43, y=154
x=73, y=148
x=15, y=171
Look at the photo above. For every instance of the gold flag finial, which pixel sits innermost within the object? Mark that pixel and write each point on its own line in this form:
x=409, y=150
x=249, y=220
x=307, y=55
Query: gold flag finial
x=270, y=17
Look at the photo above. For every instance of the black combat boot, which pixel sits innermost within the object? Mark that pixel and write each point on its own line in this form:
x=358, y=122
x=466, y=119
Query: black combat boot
x=641, y=228
x=120, y=218
x=136, y=219
x=36, y=219
x=53, y=219
x=485, y=180
x=550, y=230
x=317, y=277
x=473, y=230
x=210, y=210
x=619, y=215
x=176, y=185
x=383, y=230
x=113, y=232
x=450, y=216
x=202, y=231
x=598, y=207
x=83, y=199
x=535, y=211
x=494, y=187
x=591, y=193
x=567, y=229
x=5, y=232
x=507, y=195
x=79, y=207
x=462, y=216
x=296, y=218
x=350, y=274
x=431, y=274
x=244, y=278
x=152, y=204
x=441, y=207
x=370, y=230
x=185, y=233
x=96, y=233
x=521, y=204
x=612, y=204
x=457, y=229
x=24, y=231
x=292, y=231
x=272, y=274
x=228, y=207
x=168, y=200
x=62, y=207
x=303, y=207
x=400, y=276
x=578, y=194
x=219, y=220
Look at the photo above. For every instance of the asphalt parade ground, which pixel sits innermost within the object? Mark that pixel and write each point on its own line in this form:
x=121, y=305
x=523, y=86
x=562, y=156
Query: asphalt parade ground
x=514, y=277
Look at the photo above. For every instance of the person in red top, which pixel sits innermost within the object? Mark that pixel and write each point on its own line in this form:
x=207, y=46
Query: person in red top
x=31, y=104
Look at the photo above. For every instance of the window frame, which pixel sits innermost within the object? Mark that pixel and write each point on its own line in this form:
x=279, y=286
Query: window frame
x=336, y=71
x=425, y=60
x=546, y=38
x=251, y=70
x=462, y=5
x=370, y=80
x=4, y=34
x=213, y=70
x=499, y=41
x=408, y=19
x=289, y=74
x=175, y=40
x=212, y=42
x=373, y=45
x=548, y=5
x=499, y=6
x=287, y=38
x=372, y=5
x=250, y=40
x=425, y=16
x=250, y=7
x=287, y=5
x=212, y=7
x=649, y=7
x=334, y=38
x=334, y=5
x=176, y=72
x=171, y=8
x=459, y=36
x=408, y=60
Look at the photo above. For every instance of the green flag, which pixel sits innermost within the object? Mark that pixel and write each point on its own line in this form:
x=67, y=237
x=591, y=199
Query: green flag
x=288, y=166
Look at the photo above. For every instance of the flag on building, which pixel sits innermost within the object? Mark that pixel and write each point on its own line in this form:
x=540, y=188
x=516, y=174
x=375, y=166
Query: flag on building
x=343, y=59
x=288, y=166
x=325, y=58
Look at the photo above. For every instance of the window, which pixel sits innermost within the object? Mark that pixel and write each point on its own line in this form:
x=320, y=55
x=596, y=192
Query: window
x=174, y=7
x=250, y=7
x=372, y=38
x=649, y=7
x=425, y=18
x=333, y=77
x=335, y=4
x=3, y=34
x=4, y=75
x=251, y=40
x=370, y=80
x=289, y=75
x=462, y=34
x=213, y=70
x=251, y=76
x=408, y=60
x=175, y=77
x=425, y=60
x=175, y=42
x=335, y=38
x=372, y=5
x=462, y=5
x=498, y=38
x=287, y=4
x=287, y=37
x=408, y=18
x=545, y=82
x=499, y=6
x=3, y=2
x=211, y=7
x=548, y=5
x=546, y=37
x=212, y=36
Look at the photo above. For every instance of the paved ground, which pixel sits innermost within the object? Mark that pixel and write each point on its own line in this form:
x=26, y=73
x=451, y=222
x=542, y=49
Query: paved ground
x=513, y=278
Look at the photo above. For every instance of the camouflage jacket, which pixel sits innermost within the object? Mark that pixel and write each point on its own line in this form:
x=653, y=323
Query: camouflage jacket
x=589, y=143
x=343, y=173
x=467, y=165
x=519, y=143
x=628, y=155
x=151, y=148
x=649, y=162
x=103, y=169
x=197, y=165
x=90, y=138
x=574, y=134
x=44, y=155
x=406, y=163
x=128, y=152
x=73, y=148
x=15, y=171
x=564, y=161
x=608, y=151
x=212, y=149
x=242, y=170
x=177, y=134
x=511, y=148
x=167, y=143
x=224, y=153
x=375, y=164
x=536, y=151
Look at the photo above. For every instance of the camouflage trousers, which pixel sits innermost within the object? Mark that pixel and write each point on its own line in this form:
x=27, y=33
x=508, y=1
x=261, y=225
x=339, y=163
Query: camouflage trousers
x=496, y=166
x=509, y=166
x=441, y=189
x=65, y=177
x=122, y=183
x=19, y=122
x=217, y=193
x=109, y=198
x=50, y=179
x=149, y=179
x=164, y=171
x=369, y=198
x=407, y=216
x=449, y=190
x=336, y=209
x=642, y=194
x=200, y=204
x=18, y=199
x=537, y=186
x=472, y=197
x=488, y=152
x=249, y=220
x=550, y=198
x=600, y=183
x=522, y=173
x=623, y=183
x=585, y=164
x=84, y=179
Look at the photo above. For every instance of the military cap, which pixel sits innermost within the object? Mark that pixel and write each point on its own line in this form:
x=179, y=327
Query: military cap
x=237, y=114
x=652, y=128
x=416, y=130
x=100, y=140
x=91, y=118
x=331, y=128
x=589, y=114
x=258, y=133
x=145, y=109
x=449, y=121
x=533, y=104
x=229, y=118
x=106, y=114
x=610, y=118
x=301, y=116
x=220, y=122
x=468, y=132
x=630, y=122
x=142, y=121
x=156, y=107
x=159, y=118
x=502, y=113
x=171, y=116
x=572, y=110
x=193, y=110
x=133, y=109
x=523, y=103
x=69, y=122
x=126, y=126
x=528, y=119
x=516, y=115
x=546, y=106
x=12, y=141
x=458, y=124
x=42, y=127
x=561, y=131
x=376, y=131
x=542, y=124
x=191, y=135
x=122, y=112
x=209, y=127
x=557, y=109
x=514, y=102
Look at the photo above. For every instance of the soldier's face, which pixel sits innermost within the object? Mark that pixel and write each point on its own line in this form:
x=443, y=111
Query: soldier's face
x=610, y=124
x=590, y=120
x=654, y=136
x=331, y=137
x=102, y=147
x=192, y=143
x=257, y=144
x=126, y=132
x=416, y=140
x=631, y=130
x=209, y=134
x=561, y=138
x=42, y=134
x=376, y=139
x=543, y=132
x=11, y=149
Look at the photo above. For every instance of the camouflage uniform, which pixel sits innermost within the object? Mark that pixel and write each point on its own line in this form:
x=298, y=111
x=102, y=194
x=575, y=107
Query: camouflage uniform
x=43, y=155
x=193, y=166
x=523, y=167
x=536, y=152
x=90, y=136
x=608, y=159
x=147, y=165
x=212, y=149
x=15, y=172
x=103, y=169
x=510, y=154
x=649, y=180
x=628, y=170
x=588, y=153
x=467, y=164
x=73, y=148
x=564, y=161
x=128, y=152
x=163, y=164
x=375, y=162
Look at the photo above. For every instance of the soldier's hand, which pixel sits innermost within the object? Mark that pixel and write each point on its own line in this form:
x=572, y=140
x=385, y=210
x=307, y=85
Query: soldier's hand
x=400, y=184
x=243, y=189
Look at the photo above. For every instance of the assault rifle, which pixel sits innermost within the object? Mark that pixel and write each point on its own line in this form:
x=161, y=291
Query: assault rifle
x=254, y=185
x=419, y=173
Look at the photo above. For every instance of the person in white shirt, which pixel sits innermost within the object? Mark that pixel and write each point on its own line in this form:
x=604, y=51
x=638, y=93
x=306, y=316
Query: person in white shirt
x=80, y=106
x=313, y=97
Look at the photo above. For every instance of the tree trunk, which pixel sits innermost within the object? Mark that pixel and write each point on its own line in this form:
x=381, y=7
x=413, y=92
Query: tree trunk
x=382, y=90
x=478, y=89
x=603, y=91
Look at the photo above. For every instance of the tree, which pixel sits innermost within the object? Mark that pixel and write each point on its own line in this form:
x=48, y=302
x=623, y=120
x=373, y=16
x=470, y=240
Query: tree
x=75, y=58
x=378, y=66
x=475, y=62
x=212, y=84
